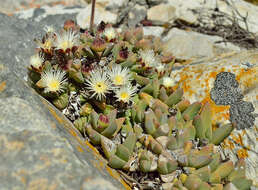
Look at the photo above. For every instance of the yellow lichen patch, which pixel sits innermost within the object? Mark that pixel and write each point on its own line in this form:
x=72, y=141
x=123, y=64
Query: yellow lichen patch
x=80, y=149
x=21, y=175
x=116, y=175
x=99, y=165
x=72, y=132
x=247, y=78
x=228, y=144
x=53, y=112
x=38, y=184
x=2, y=86
x=9, y=146
x=91, y=147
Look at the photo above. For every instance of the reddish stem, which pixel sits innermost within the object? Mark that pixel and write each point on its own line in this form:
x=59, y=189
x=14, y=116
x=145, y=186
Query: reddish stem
x=92, y=14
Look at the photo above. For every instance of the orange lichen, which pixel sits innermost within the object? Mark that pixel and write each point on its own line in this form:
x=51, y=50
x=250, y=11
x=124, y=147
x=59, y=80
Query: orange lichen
x=238, y=139
x=2, y=86
x=229, y=144
x=80, y=149
x=72, y=132
x=91, y=147
x=116, y=175
x=242, y=153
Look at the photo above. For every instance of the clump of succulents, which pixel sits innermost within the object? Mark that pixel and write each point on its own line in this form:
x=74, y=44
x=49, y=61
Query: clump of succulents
x=115, y=88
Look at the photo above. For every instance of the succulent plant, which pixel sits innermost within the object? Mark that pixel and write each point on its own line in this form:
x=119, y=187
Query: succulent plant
x=115, y=88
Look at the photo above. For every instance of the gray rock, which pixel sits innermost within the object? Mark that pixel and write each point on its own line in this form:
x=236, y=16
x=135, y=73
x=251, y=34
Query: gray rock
x=192, y=45
x=39, y=147
x=162, y=12
x=136, y=15
x=13, y=6
x=153, y=30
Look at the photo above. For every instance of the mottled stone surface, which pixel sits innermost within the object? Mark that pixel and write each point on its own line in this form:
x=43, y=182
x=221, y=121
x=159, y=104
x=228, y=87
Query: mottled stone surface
x=12, y=6
x=162, y=12
x=39, y=147
x=192, y=45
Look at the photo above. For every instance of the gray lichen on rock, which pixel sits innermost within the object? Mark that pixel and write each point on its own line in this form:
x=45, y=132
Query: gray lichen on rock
x=241, y=114
x=227, y=92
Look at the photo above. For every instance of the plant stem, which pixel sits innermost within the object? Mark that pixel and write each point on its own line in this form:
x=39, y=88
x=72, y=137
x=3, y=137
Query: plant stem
x=92, y=14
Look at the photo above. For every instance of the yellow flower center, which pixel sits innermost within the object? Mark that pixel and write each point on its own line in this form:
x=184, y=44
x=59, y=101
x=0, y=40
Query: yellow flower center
x=47, y=44
x=118, y=80
x=124, y=96
x=65, y=44
x=54, y=85
x=100, y=87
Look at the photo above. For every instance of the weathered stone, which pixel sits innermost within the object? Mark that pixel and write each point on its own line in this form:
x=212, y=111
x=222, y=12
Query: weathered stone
x=83, y=17
x=38, y=14
x=197, y=79
x=136, y=15
x=12, y=6
x=153, y=30
x=162, y=12
x=192, y=45
x=244, y=8
x=39, y=147
x=112, y=4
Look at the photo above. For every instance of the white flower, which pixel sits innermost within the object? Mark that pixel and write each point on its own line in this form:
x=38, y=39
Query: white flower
x=98, y=83
x=148, y=58
x=53, y=80
x=49, y=29
x=168, y=82
x=109, y=33
x=119, y=76
x=48, y=43
x=67, y=39
x=36, y=60
x=160, y=68
x=126, y=93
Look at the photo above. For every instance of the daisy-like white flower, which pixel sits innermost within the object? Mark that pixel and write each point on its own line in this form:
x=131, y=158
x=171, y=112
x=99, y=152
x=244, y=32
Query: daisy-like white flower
x=67, y=39
x=98, y=83
x=148, y=58
x=119, y=76
x=125, y=93
x=36, y=60
x=168, y=82
x=110, y=33
x=160, y=68
x=54, y=80
x=47, y=44
x=49, y=29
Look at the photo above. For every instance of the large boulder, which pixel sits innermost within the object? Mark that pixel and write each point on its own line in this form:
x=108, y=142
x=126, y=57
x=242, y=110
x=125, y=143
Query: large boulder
x=39, y=147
